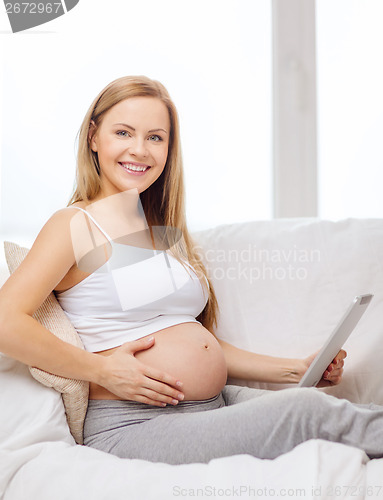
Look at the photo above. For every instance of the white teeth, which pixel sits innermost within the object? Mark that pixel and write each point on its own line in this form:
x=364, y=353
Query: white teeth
x=129, y=166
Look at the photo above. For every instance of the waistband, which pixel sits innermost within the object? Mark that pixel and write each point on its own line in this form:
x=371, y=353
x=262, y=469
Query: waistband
x=137, y=411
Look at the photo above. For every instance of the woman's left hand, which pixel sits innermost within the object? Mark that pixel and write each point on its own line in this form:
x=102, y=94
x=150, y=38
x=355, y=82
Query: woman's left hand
x=334, y=372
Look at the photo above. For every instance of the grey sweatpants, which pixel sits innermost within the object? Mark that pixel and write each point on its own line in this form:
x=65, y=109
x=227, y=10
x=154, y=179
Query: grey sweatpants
x=261, y=423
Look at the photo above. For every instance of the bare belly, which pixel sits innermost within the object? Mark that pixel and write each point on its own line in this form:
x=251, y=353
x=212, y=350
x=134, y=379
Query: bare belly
x=187, y=351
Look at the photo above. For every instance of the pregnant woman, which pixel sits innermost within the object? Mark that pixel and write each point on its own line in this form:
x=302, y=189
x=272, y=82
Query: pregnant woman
x=124, y=269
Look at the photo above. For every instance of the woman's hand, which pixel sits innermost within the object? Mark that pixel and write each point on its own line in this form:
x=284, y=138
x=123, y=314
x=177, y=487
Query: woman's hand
x=334, y=372
x=130, y=379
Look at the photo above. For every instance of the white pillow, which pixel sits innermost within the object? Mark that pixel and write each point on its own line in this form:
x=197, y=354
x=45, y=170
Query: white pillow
x=30, y=413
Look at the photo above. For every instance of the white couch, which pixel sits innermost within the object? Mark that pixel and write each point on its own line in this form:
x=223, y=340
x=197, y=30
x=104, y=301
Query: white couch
x=282, y=286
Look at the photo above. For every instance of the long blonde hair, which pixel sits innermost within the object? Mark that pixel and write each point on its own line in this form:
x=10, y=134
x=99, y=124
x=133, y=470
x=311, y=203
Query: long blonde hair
x=164, y=201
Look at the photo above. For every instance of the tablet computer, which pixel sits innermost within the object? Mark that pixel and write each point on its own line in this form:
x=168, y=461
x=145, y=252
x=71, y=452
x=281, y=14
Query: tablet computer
x=335, y=341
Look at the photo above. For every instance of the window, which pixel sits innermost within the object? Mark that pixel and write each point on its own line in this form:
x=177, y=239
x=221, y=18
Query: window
x=350, y=108
x=215, y=59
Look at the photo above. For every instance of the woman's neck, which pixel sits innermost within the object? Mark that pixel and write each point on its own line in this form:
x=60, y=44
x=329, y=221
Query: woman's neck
x=120, y=214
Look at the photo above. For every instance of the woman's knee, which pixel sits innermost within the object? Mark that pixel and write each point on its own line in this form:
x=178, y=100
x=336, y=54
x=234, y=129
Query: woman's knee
x=306, y=398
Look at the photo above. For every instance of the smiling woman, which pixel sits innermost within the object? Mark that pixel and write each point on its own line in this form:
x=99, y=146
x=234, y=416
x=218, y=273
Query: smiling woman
x=146, y=310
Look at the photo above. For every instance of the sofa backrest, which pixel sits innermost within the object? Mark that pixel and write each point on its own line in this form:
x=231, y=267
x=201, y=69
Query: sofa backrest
x=283, y=285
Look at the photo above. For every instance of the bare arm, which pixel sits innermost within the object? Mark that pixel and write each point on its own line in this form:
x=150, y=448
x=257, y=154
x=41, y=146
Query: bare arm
x=26, y=340
x=247, y=365
x=21, y=336
x=261, y=368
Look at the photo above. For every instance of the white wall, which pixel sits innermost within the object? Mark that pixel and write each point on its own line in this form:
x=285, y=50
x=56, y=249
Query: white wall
x=215, y=59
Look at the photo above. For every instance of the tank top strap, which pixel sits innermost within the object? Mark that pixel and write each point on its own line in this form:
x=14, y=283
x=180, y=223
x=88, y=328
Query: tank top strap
x=96, y=223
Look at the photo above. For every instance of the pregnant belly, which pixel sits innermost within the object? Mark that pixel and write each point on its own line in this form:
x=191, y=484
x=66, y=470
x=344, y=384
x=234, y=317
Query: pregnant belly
x=187, y=351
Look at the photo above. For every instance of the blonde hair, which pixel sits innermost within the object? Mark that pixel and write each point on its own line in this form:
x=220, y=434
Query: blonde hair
x=164, y=201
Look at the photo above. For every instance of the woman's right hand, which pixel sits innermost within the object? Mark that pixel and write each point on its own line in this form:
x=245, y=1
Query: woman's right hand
x=126, y=377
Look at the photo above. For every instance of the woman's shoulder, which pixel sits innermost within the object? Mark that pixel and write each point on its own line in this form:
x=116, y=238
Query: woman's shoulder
x=83, y=233
x=54, y=243
x=46, y=263
x=59, y=220
x=65, y=214
x=69, y=209
x=56, y=235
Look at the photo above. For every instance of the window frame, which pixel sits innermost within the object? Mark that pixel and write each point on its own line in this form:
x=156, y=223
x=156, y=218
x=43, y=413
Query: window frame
x=295, y=182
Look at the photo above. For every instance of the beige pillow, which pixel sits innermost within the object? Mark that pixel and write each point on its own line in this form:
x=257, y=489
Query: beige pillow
x=50, y=314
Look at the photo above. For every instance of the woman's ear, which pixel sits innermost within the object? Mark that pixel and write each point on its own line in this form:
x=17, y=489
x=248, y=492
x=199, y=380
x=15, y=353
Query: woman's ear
x=92, y=136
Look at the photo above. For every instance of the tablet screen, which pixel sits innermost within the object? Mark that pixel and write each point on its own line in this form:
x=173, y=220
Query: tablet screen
x=336, y=340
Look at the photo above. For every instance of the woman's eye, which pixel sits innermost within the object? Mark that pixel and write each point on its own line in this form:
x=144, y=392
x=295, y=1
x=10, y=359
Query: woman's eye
x=123, y=133
x=155, y=138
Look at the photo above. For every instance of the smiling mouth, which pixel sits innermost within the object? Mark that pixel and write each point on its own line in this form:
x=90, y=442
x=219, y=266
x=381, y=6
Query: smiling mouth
x=132, y=167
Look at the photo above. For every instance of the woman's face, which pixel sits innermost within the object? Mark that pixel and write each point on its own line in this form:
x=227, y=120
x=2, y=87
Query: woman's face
x=132, y=144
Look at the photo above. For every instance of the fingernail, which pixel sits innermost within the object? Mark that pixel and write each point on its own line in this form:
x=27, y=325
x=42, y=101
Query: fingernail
x=149, y=339
x=175, y=401
x=179, y=384
x=180, y=396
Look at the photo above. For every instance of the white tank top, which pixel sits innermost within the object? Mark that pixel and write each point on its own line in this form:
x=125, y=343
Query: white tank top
x=119, y=303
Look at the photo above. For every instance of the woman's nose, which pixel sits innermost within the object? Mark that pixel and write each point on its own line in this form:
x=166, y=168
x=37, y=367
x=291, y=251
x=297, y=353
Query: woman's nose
x=138, y=148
